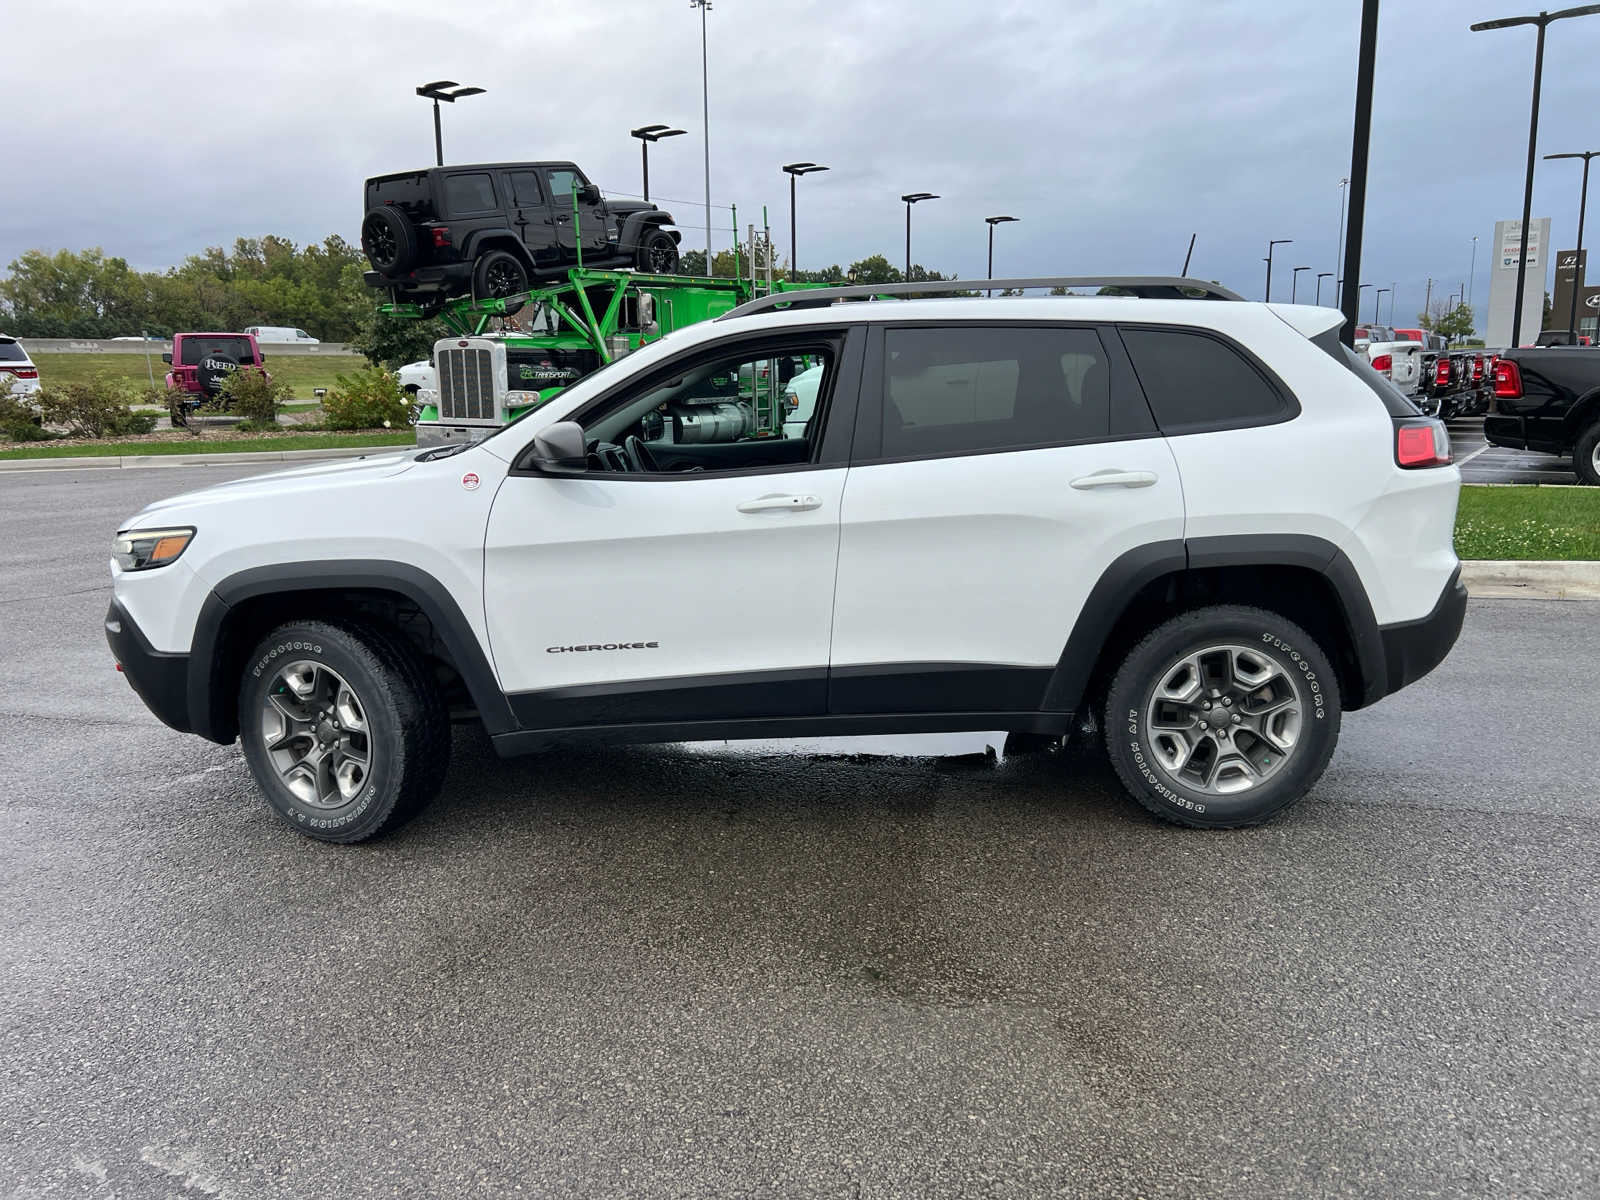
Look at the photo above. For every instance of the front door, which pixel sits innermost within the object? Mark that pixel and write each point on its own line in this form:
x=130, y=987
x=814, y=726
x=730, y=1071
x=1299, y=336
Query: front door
x=999, y=470
x=590, y=227
x=531, y=216
x=688, y=575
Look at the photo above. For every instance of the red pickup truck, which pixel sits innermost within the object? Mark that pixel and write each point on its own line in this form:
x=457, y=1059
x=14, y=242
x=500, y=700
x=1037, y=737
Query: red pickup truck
x=201, y=364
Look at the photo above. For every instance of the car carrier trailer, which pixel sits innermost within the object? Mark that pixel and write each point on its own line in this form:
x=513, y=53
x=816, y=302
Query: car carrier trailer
x=554, y=335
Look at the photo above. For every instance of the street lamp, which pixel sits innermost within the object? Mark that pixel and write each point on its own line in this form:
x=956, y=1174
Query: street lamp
x=1541, y=20
x=1394, y=290
x=1343, y=184
x=647, y=134
x=1294, y=282
x=911, y=198
x=448, y=91
x=1268, y=261
x=794, y=171
x=1577, y=257
x=991, y=222
x=1472, y=276
x=1321, y=275
x=1359, y=288
x=705, y=117
x=1377, y=302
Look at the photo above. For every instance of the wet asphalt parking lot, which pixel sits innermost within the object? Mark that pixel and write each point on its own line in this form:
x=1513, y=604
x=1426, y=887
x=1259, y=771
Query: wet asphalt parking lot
x=1483, y=463
x=853, y=969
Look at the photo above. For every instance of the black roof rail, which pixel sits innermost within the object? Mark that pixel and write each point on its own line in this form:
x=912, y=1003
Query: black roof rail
x=1146, y=287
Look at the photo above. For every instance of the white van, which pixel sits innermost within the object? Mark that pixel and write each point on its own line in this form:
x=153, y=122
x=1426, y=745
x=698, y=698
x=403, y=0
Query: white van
x=281, y=333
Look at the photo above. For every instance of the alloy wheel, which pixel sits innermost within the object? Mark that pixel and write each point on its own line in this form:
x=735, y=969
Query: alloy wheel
x=314, y=728
x=1224, y=719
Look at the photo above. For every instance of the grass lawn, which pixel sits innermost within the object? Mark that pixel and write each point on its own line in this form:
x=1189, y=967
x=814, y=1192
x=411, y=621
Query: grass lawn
x=1529, y=522
x=243, y=442
x=301, y=371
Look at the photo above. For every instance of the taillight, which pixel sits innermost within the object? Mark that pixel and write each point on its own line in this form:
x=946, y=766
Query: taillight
x=1421, y=444
x=1507, y=380
x=1441, y=373
x=441, y=235
x=1383, y=364
x=23, y=372
x=1477, y=369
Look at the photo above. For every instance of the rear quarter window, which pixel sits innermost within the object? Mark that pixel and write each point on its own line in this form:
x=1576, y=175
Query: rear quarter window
x=471, y=192
x=1197, y=382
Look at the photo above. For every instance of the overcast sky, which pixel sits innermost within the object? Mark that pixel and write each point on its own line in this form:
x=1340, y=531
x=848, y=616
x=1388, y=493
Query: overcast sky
x=1112, y=128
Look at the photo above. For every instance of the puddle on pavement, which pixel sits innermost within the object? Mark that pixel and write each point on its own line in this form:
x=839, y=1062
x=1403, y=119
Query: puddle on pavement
x=907, y=745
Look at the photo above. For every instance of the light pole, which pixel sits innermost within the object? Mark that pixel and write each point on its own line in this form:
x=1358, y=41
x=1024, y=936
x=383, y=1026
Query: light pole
x=1321, y=275
x=1377, y=302
x=1472, y=276
x=991, y=222
x=1577, y=256
x=794, y=171
x=912, y=198
x=1542, y=20
x=448, y=91
x=1294, y=282
x=1394, y=289
x=1360, y=287
x=705, y=117
x=1343, y=184
x=1268, y=261
x=647, y=134
x=1360, y=146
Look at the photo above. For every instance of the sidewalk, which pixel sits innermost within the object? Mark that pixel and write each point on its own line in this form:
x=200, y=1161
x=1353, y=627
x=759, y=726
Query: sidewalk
x=219, y=459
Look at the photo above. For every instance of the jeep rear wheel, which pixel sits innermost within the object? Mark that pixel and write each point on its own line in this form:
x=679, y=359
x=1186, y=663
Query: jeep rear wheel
x=499, y=274
x=657, y=253
x=1222, y=717
x=346, y=735
x=389, y=241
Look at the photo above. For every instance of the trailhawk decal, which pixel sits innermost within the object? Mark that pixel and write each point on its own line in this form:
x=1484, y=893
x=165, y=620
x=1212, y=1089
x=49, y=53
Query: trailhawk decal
x=604, y=646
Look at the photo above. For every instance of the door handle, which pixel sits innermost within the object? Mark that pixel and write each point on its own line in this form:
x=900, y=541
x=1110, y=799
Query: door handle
x=781, y=503
x=1115, y=478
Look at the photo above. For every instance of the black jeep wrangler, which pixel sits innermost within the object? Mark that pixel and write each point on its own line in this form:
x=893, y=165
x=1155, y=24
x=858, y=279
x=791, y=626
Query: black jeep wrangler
x=493, y=229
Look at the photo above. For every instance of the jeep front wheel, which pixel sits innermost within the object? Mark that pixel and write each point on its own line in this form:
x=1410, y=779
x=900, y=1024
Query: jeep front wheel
x=1222, y=717
x=345, y=733
x=499, y=274
x=657, y=253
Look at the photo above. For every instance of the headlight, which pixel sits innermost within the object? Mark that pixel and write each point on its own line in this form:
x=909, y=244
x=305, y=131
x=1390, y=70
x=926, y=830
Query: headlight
x=140, y=549
x=521, y=399
x=427, y=396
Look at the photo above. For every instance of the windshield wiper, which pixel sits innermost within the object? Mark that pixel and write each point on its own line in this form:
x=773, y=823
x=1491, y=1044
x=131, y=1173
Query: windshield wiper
x=441, y=452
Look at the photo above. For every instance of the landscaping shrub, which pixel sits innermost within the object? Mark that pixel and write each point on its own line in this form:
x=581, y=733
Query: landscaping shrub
x=18, y=420
x=92, y=410
x=255, y=397
x=367, y=399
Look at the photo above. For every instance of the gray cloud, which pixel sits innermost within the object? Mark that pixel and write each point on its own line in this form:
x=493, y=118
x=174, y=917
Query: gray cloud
x=1114, y=129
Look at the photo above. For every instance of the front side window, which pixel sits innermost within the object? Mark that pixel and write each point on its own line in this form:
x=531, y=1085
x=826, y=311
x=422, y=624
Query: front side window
x=757, y=409
x=1196, y=382
x=562, y=182
x=469, y=193
x=970, y=389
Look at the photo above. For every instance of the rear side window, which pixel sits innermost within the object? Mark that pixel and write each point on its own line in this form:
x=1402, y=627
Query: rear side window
x=525, y=189
x=11, y=351
x=469, y=193
x=1196, y=382
x=963, y=390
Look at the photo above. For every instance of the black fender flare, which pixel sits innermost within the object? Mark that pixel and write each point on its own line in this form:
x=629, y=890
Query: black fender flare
x=210, y=693
x=1135, y=569
x=634, y=225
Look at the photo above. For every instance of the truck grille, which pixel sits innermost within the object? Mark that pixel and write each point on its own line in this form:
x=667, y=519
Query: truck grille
x=466, y=385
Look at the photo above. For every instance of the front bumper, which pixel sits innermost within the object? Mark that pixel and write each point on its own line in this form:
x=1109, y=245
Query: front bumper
x=1413, y=648
x=160, y=679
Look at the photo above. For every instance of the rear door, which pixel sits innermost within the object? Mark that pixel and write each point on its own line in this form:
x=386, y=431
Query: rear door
x=998, y=470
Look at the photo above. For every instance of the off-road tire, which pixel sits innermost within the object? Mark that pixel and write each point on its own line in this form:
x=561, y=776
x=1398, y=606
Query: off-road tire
x=389, y=240
x=1283, y=644
x=407, y=720
x=657, y=252
x=1586, y=456
x=498, y=274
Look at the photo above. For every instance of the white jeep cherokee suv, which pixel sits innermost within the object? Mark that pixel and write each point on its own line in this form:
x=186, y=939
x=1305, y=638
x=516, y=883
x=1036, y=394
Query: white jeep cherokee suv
x=1198, y=521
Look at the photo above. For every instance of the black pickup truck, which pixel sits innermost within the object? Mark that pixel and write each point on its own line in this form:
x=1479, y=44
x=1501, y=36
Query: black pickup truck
x=1548, y=399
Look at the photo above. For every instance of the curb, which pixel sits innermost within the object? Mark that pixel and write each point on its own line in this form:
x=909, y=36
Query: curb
x=219, y=459
x=1509, y=579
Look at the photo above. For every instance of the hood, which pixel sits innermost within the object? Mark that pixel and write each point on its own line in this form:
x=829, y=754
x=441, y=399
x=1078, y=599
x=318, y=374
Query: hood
x=623, y=208
x=295, y=479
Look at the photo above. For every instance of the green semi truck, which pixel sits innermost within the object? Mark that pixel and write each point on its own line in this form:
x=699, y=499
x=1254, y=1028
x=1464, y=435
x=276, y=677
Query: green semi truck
x=554, y=335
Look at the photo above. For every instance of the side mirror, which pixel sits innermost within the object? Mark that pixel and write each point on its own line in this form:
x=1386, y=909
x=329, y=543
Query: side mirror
x=559, y=449
x=590, y=195
x=167, y=358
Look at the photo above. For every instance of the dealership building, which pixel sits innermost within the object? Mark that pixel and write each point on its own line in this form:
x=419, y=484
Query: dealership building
x=1570, y=273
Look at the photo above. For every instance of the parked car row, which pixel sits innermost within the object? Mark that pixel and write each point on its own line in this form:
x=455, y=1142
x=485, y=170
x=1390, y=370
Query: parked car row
x=1441, y=381
x=1547, y=399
